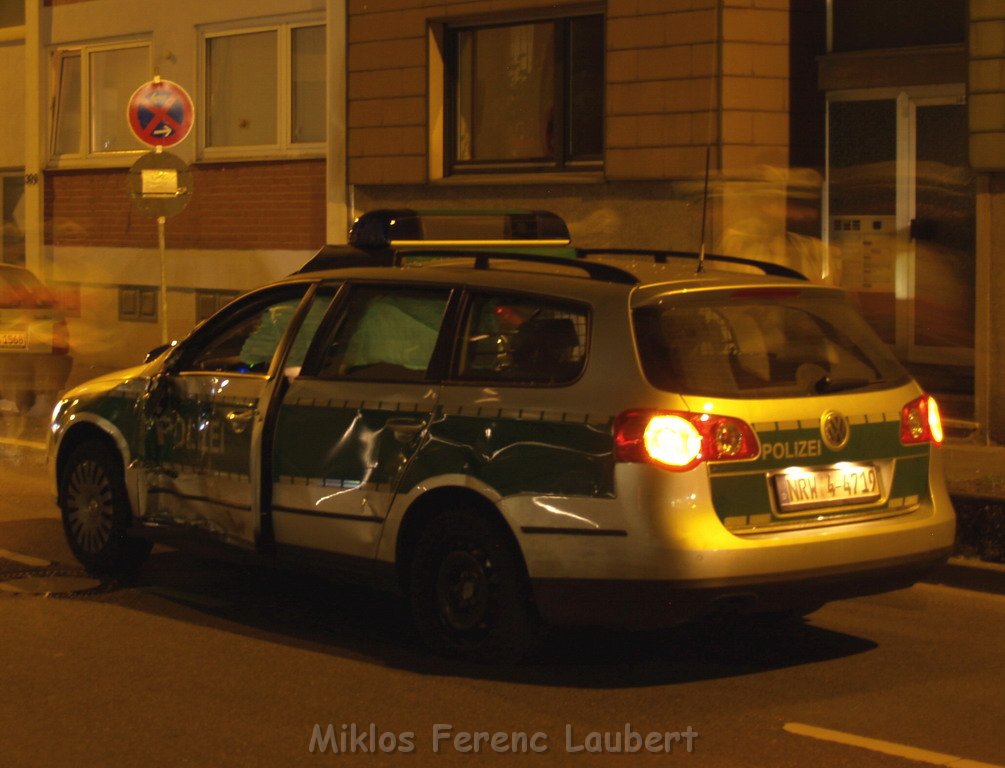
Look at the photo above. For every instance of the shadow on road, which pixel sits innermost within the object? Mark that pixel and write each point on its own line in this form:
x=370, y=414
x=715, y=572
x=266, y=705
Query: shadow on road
x=348, y=621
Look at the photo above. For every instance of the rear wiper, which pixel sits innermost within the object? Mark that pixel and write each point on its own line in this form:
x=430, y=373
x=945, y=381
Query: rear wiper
x=826, y=384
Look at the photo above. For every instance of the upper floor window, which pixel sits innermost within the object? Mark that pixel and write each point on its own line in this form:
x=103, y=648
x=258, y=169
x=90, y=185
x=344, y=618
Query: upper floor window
x=93, y=86
x=860, y=25
x=526, y=96
x=11, y=13
x=265, y=90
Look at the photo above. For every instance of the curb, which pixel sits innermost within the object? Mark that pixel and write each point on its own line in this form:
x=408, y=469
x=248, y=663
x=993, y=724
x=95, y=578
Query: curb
x=967, y=573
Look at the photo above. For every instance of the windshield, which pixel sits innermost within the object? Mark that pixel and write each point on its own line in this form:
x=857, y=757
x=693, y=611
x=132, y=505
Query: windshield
x=787, y=343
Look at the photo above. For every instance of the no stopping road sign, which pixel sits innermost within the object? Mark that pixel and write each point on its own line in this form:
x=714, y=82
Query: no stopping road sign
x=160, y=113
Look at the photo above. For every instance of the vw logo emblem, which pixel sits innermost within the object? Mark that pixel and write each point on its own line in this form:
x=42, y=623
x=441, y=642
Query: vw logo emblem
x=835, y=430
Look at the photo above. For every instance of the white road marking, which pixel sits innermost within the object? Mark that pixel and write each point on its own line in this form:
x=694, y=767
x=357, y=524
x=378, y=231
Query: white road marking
x=36, y=445
x=17, y=557
x=886, y=747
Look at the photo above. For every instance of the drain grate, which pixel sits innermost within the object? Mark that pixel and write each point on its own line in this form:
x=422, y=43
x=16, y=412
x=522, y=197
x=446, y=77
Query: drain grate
x=53, y=582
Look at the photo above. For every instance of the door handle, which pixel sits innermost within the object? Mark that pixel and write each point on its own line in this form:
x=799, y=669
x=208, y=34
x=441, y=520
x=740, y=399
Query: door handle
x=239, y=419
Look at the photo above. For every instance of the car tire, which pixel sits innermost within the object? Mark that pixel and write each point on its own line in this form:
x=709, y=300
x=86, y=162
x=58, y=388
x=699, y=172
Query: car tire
x=43, y=402
x=24, y=399
x=468, y=592
x=96, y=511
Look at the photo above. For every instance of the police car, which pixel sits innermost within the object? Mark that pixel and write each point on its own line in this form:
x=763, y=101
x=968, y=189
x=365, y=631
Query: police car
x=514, y=432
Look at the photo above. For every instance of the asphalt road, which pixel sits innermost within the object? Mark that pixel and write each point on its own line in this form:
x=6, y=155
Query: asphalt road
x=199, y=663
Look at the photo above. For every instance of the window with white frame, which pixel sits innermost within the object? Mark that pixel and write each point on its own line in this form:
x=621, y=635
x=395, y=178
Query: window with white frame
x=526, y=95
x=11, y=202
x=264, y=90
x=93, y=84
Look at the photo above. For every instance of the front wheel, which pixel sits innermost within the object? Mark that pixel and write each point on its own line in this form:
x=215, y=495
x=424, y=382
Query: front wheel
x=468, y=592
x=96, y=511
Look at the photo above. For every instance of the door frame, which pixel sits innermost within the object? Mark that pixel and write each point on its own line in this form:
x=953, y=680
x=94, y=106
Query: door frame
x=907, y=99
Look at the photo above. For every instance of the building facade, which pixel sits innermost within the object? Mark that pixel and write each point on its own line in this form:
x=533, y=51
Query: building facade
x=860, y=142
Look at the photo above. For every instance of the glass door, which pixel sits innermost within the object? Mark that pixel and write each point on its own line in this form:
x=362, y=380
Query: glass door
x=901, y=226
x=942, y=236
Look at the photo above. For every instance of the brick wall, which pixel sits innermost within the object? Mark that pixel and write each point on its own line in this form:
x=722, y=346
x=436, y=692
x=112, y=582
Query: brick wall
x=387, y=88
x=661, y=62
x=260, y=205
x=755, y=84
x=986, y=83
x=661, y=87
x=662, y=90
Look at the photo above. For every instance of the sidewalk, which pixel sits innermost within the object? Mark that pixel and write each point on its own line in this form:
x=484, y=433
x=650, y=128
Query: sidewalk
x=969, y=573
x=975, y=475
x=976, y=471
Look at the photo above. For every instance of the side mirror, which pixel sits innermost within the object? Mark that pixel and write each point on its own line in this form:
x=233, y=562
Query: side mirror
x=159, y=350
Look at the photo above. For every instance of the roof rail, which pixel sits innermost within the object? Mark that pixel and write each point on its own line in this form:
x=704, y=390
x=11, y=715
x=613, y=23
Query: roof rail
x=593, y=269
x=346, y=257
x=661, y=257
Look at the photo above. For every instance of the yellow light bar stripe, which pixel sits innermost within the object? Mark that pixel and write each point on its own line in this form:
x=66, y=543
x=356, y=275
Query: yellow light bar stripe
x=479, y=243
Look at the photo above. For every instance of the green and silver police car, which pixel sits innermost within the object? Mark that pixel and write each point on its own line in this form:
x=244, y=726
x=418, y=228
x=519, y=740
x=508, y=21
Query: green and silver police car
x=514, y=433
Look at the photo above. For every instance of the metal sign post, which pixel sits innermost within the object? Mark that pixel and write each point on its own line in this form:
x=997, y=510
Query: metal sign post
x=160, y=114
x=160, y=185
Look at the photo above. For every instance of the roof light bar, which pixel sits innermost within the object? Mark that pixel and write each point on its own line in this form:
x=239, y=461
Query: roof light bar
x=446, y=229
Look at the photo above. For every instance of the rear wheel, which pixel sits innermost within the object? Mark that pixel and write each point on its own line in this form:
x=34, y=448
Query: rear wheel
x=468, y=592
x=96, y=511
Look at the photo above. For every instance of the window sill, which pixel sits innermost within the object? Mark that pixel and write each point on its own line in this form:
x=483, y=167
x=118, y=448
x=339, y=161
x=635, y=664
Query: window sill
x=558, y=177
x=117, y=160
x=251, y=156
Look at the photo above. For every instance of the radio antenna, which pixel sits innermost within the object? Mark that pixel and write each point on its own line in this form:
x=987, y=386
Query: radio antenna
x=714, y=114
x=704, y=207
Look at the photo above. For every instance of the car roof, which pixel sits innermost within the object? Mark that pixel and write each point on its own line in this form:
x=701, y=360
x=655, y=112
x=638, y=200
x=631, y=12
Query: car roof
x=570, y=272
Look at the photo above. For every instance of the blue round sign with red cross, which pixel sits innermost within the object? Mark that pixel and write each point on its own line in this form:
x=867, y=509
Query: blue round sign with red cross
x=160, y=113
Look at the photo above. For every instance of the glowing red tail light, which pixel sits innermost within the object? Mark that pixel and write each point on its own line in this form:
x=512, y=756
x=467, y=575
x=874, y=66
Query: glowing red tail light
x=681, y=440
x=60, y=338
x=921, y=422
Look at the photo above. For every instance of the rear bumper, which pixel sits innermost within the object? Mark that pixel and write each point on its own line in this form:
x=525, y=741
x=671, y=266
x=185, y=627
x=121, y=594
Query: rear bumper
x=642, y=604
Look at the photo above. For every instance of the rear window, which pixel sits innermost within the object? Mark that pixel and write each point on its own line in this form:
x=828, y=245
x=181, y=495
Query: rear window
x=761, y=344
x=20, y=289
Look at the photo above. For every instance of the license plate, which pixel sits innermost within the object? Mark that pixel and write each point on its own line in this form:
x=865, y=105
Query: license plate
x=800, y=489
x=13, y=340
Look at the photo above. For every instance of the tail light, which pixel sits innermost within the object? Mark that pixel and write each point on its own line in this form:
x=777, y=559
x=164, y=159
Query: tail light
x=60, y=338
x=921, y=422
x=681, y=440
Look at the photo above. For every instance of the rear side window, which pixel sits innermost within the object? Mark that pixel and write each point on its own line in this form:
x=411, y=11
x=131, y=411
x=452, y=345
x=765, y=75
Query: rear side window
x=761, y=344
x=386, y=334
x=523, y=339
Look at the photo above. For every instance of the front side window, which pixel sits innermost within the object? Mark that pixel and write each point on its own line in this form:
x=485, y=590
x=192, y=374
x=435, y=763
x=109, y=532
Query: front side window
x=246, y=339
x=93, y=86
x=265, y=90
x=527, y=95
